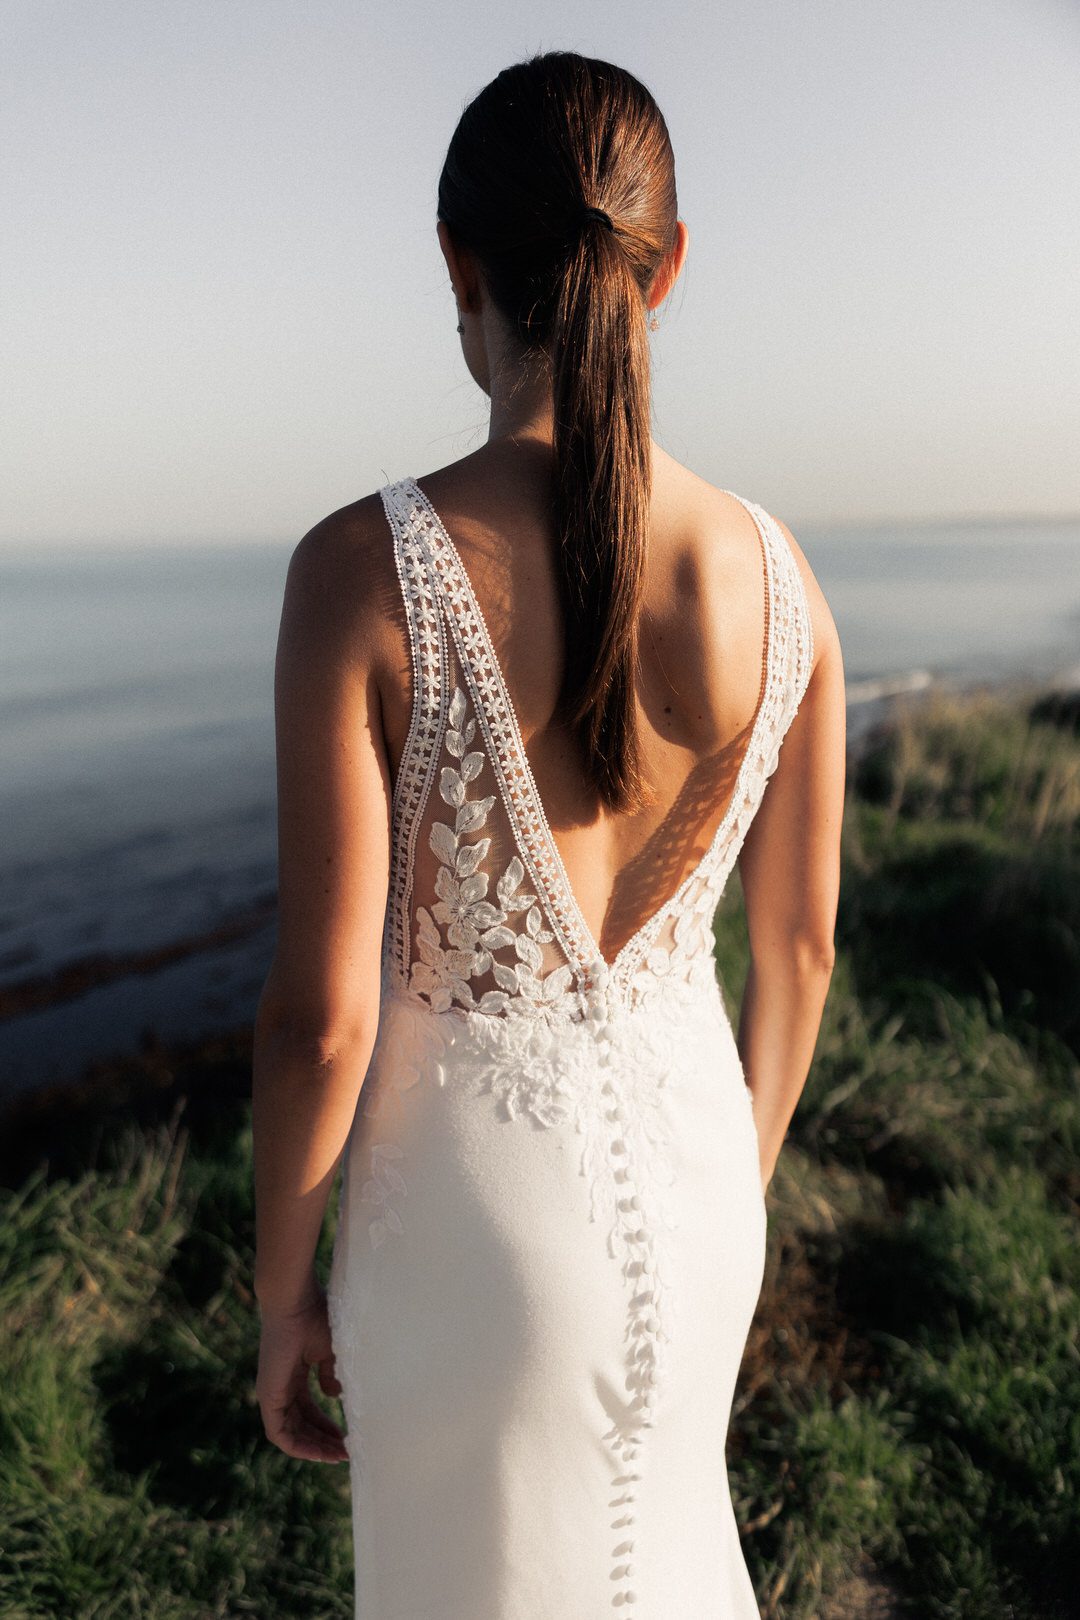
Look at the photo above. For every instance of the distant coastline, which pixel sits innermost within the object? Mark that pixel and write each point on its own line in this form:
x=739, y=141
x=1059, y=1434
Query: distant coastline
x=870, y=526
x=18, y=548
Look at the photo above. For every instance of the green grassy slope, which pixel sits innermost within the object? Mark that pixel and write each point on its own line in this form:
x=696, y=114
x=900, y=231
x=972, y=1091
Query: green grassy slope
x=906, y=1437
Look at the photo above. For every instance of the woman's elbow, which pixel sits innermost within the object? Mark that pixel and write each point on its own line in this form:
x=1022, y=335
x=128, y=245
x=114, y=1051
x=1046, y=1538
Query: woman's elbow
x=798, y=957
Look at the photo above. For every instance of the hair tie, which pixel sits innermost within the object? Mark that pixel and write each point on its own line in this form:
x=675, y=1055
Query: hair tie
x=600, y=214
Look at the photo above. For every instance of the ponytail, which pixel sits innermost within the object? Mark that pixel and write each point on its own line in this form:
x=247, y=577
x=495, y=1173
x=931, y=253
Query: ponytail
x=603, y=487
x=572, y=278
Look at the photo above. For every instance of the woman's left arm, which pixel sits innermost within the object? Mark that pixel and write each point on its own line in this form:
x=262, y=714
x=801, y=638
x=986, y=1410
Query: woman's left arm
x=318, y=1014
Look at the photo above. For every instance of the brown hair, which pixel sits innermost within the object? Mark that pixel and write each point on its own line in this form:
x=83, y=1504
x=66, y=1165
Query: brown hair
x=548, y=140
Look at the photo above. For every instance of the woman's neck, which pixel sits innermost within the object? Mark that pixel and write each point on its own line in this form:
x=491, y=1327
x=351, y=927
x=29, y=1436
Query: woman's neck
x=521, y=404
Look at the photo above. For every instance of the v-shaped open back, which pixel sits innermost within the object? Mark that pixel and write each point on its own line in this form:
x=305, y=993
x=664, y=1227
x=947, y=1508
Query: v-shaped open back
x=527, y=948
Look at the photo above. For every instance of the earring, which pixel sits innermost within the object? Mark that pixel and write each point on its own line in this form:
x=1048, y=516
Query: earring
x=654, y=322
x=461, y=326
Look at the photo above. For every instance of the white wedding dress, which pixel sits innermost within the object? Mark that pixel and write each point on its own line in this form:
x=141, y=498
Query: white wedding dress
x=551, y=1234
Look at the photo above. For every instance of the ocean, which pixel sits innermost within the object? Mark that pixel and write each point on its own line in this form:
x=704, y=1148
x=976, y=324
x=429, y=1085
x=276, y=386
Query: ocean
x=137, y=815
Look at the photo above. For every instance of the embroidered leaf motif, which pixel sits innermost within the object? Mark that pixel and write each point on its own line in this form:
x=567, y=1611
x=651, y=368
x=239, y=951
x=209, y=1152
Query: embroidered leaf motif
x=385, y=1180
x=558, y=982
x=508, y=885
x=393, y=1180
x=534, y=923
x=469, y=856
x=443, y=841
x=505, y=977
x=452, y=787
x=472, y=814
x=476, y=927
x=492, y=1001
x=456, y=712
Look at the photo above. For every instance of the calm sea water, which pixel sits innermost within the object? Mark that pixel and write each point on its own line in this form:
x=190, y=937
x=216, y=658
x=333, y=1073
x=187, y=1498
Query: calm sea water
x=136, y=744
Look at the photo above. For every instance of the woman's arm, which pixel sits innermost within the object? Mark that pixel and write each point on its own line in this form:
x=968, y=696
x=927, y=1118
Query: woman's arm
x=790, y=871
x=318, y=1015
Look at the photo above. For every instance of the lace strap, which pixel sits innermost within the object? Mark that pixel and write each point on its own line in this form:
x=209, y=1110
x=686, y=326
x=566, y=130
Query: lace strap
x=416, y=771
x=503, y=740
x=796, y=632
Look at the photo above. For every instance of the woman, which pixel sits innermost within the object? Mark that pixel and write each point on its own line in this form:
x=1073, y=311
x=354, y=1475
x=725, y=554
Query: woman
x=527, y=710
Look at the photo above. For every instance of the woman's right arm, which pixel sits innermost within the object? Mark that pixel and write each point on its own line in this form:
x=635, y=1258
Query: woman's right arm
x=790, y=871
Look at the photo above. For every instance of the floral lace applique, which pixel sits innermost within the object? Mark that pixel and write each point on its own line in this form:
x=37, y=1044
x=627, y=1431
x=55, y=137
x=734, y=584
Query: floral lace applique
x=384, y=1183
x=475, y=927
x=606, y=1079
x=419, y=1044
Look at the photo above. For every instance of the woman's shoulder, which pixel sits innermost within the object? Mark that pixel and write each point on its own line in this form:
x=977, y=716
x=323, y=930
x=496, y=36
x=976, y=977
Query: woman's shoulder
x=342, y=586
x=717, y=515
x=338, y=539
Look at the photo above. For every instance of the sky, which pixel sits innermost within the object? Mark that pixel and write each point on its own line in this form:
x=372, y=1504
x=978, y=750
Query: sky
x=223, y=310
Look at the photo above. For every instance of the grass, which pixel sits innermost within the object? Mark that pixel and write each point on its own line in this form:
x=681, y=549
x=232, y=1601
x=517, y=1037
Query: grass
x=135, y=1479
x=912, y=1384
x=906, y=1436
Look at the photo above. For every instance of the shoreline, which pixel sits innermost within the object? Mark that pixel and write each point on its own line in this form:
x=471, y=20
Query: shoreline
x=73, y=979
x=165, y=1066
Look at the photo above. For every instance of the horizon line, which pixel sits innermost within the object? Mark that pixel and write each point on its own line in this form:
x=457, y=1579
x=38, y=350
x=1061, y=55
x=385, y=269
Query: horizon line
x=970, y=519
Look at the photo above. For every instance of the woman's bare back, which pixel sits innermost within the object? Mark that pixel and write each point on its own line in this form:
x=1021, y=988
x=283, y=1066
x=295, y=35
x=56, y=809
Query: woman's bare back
x=701, y=648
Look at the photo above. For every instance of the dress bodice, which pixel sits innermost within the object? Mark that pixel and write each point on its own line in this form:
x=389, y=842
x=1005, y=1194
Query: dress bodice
x=481, y=917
